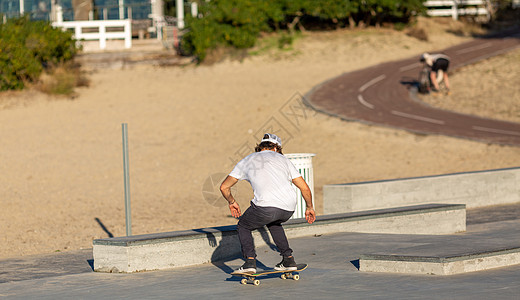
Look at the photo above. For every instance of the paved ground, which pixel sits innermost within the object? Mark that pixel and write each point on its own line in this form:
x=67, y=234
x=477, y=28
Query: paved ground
x=381, y=95
x=332, y=273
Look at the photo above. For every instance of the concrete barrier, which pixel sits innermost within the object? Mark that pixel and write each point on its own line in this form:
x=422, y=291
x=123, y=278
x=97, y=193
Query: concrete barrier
x=441, y=265
x=191, y=247
x=474, y=189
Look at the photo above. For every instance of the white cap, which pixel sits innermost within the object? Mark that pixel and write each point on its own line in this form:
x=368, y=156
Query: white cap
x=269, y=137
x=426, y=57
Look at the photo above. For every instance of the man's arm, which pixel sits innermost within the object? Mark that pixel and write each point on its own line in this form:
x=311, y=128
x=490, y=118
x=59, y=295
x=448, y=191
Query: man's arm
x=225, y=189
x=310, y=214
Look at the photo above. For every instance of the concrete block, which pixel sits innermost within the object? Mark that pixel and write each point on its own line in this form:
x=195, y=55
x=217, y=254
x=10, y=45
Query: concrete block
x=474, y=189
x=183, y=248
x=440, y=265
x=165, y=250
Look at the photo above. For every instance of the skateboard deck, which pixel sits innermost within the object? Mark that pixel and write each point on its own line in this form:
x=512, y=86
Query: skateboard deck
x=287, y=274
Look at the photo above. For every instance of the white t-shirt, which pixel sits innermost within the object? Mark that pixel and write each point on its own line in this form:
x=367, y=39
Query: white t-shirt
x=432, y=58
x=270, y=174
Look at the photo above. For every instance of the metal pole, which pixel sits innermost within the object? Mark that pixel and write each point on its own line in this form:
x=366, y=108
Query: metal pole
x=127, y=181
x=179, y=5
x=121, y=9
x=194, y=9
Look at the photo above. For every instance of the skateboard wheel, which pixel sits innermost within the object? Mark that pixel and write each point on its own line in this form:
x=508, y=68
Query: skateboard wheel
x=256, y=282
x=283, y=276
x=243, y=281
x=296, y=277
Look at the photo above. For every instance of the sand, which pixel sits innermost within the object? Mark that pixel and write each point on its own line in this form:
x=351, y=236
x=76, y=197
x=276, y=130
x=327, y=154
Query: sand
x=62, y=169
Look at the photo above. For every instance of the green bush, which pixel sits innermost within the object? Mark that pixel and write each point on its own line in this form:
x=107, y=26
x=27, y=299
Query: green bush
x=27, y=47
x=238, y=23
x=234, y=23
x=17, y=65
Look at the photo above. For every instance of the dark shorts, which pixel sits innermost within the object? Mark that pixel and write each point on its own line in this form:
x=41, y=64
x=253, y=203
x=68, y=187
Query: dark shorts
x=441, y=64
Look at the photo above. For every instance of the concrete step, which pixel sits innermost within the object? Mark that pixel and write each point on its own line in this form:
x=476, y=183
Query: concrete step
x=124, y=59
x=450, y=264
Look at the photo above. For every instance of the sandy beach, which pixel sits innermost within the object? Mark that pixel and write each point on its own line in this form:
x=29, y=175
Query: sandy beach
x=61, y=169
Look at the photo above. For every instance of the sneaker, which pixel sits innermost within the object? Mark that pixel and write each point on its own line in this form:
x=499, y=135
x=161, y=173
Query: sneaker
x=249, y=267
x=287, y=264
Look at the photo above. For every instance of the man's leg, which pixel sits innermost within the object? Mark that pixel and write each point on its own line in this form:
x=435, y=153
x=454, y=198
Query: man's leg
x=433, y=78
x=248, y=248
x=246, y=238
x=446, y=80
x=248, y=222
x=277, y=231
x=252, y=219
x=280, y=239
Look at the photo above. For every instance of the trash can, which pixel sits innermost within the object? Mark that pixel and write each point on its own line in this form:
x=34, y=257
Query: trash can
x=302, y=162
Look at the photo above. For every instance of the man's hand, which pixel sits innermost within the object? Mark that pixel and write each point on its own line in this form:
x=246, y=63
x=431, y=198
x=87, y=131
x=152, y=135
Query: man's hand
x=310, y=215
x=235, y=210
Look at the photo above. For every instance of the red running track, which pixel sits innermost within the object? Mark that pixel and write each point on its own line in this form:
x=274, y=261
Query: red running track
x=385, y=94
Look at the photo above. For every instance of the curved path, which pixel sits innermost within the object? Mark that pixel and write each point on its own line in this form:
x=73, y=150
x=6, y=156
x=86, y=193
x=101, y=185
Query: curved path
x=383, y=95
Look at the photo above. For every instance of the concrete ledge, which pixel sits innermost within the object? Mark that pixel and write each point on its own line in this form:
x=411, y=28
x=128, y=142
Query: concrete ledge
x=440, y=265
x=190, y=247
x=474, y=189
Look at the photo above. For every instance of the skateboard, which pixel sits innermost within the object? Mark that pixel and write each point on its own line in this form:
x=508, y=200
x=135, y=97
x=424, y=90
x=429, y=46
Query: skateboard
x=252, y=278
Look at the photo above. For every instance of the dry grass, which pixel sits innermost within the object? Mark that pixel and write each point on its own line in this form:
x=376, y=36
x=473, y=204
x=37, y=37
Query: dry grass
x=62, y=80
x=418, y=33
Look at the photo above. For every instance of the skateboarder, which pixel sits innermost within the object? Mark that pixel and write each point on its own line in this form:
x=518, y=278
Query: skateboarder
x=270, y=175
x=437, y=62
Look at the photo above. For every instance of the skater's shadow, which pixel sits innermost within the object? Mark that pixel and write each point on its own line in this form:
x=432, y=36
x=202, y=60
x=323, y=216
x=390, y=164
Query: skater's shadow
x=228, y=248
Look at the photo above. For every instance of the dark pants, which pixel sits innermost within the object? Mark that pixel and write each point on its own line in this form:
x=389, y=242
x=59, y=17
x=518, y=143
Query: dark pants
x=256, y=217
x=441, y=64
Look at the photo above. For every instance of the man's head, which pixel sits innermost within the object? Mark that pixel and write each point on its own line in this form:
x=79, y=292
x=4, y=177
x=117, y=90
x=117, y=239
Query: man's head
x=427, y=58
x=270, y=142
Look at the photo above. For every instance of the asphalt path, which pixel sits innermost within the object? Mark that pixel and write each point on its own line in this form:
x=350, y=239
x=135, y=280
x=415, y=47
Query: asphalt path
x=332, y=274
x=386, y=95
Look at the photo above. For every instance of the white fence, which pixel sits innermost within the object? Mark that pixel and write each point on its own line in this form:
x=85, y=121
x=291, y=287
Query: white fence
x=106, y=30
x=456, y=8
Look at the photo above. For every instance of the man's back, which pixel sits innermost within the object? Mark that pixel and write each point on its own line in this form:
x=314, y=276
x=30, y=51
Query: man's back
x=270, y=175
